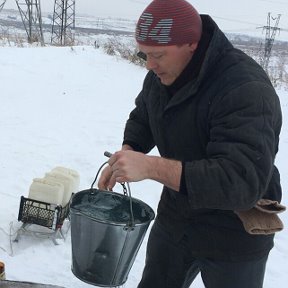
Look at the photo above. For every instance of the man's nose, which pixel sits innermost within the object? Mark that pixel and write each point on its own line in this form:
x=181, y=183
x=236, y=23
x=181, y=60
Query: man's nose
x=151, y=63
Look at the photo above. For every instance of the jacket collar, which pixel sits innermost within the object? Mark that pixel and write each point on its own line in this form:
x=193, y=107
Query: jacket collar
x=192, y=69
x=212, y=47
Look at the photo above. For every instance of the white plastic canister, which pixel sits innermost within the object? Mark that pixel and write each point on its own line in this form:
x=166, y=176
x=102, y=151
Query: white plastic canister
x=72, y=173
x=67, y=182
x=44, y=190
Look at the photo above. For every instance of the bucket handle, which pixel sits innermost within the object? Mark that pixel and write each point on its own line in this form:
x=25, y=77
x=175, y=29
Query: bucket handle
x=129, y=225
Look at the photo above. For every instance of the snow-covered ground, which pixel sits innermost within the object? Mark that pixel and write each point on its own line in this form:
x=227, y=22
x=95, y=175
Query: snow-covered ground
x=65, y=107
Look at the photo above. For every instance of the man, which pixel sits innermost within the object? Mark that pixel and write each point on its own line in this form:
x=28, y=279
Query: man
x=215, y=118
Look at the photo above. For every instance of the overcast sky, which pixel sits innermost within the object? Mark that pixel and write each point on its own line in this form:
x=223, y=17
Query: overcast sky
x=232, y=16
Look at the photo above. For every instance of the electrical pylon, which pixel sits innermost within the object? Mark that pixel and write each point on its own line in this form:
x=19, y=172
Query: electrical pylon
x=30, y=12
x=269, y=39
x=2, y=5
x=63, y=23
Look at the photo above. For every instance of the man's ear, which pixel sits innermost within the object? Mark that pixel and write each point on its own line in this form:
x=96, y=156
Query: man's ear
x=193, y=46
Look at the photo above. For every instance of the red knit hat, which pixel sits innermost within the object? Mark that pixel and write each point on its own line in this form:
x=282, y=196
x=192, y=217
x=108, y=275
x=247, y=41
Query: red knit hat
x=168, y=22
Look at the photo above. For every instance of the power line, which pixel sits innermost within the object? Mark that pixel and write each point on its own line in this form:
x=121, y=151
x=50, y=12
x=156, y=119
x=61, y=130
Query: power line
x=235, y=20
x=278, y=2
x=256, y=25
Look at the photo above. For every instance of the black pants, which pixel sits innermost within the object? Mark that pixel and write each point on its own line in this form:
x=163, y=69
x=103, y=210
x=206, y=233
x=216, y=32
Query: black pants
x=169, y=265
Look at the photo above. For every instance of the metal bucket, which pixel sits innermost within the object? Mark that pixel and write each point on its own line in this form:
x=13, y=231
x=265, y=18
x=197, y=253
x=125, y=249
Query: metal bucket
x=107, y=230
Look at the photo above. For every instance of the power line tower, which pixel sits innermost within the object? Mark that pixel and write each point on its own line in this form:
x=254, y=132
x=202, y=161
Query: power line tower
x=2, y=5
x=63, y=23
x=269, y=39
x=32, y=20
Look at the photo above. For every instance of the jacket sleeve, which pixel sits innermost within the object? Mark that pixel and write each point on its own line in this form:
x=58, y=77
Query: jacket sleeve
x=137, y=131
x=244, y=133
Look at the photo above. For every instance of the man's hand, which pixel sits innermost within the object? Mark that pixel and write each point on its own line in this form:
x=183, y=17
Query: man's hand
x=105, y=179
x=106, y=182
x=131, y=166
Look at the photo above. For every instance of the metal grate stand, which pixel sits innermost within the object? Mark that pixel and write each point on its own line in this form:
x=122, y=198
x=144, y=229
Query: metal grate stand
x=50, y=216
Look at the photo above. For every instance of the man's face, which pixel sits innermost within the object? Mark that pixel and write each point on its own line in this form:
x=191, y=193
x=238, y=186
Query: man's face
x=167, y=62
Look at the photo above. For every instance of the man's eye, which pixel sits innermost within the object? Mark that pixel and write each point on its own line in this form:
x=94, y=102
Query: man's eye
x=157, y=56
x=142, y=55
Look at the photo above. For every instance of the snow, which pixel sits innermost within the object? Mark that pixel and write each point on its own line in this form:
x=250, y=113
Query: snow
x=65, y=107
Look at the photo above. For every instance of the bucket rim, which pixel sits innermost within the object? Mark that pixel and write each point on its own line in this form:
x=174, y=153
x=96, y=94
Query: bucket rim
x=114, y=223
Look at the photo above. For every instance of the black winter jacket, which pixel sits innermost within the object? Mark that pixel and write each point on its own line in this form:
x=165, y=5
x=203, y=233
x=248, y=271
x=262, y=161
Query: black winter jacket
x=224, y=126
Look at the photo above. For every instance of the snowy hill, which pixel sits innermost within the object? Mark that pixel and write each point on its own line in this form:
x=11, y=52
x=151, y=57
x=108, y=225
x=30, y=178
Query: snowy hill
x=66, y=106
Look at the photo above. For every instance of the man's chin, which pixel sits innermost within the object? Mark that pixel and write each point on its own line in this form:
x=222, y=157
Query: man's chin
x=165, y=81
